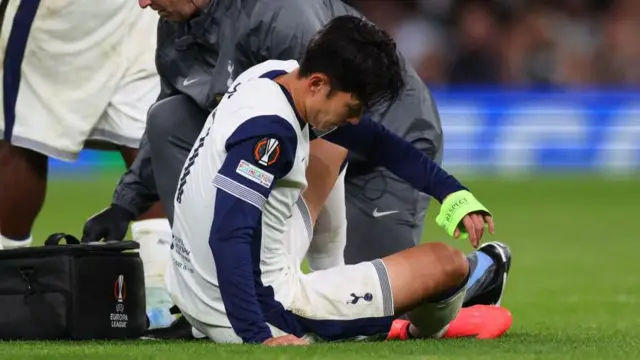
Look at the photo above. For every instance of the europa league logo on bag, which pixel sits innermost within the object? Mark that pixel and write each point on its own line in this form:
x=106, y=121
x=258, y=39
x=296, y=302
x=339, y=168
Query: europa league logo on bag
x=119, y=319
x=120, y=289
x=120, y=292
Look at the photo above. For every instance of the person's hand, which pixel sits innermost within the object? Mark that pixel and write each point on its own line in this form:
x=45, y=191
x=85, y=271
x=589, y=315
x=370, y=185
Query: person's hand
x=285, y=340
x=474, y=224
x=109, y=224
x=464, y=217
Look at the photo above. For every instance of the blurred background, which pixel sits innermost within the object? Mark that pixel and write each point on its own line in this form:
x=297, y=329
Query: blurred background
x=522, y=85
x=532, y=43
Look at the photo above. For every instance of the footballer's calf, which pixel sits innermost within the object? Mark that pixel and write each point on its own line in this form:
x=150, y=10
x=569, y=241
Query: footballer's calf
x=428, y=283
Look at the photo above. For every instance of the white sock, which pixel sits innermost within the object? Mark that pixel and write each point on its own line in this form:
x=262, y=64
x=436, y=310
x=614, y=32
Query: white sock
x=6, y=243
x=327, y=249
x=330, y=231
x=154, y=237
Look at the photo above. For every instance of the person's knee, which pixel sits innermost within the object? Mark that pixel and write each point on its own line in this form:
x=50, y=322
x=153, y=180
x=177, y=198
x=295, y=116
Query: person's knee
x=161, y=119
x=454, y=266
x=449, y=263
x=177, y=120
x=425, y=273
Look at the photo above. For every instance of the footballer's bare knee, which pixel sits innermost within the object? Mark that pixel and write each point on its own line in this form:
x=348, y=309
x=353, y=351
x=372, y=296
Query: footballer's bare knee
x=424, y=272
x=453, y=263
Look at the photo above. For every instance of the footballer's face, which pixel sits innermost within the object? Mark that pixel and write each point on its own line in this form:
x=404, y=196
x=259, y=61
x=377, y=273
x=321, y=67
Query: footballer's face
x=173, y=10
x=330, y=108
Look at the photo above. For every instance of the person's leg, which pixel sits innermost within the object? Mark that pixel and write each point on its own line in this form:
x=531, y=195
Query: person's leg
x=330, y=231
x=361, y=301
x=40, y=115
x=325, y=163
x=428, y=283
x=325, y=198
x=425, y=272
x=23, y=183
x=173, y=127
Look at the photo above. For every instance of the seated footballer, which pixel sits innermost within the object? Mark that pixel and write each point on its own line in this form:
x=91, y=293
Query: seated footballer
x=241, y=227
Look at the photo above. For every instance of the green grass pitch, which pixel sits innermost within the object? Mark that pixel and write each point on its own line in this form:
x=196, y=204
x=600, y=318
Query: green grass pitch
x=574, y=288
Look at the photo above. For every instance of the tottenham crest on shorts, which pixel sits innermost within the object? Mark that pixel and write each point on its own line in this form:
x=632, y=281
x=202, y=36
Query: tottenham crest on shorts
x=267, y=151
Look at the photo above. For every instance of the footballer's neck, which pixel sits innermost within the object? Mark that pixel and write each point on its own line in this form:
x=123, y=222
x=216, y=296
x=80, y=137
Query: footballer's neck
x=297, y=88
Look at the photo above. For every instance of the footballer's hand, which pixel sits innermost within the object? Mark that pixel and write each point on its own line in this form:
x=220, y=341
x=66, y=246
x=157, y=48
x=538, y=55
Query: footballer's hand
x=464, y=217
x=285, y=340
x=109, y=224
x=474, y=223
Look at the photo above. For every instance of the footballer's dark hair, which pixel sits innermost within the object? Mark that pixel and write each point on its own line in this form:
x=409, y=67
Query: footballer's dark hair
x=357, y=57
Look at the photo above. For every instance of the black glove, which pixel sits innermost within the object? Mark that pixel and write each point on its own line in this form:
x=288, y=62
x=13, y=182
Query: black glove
x=109, y=224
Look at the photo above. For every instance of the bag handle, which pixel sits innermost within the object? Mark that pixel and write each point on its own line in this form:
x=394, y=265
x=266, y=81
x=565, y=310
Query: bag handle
x=54, y=239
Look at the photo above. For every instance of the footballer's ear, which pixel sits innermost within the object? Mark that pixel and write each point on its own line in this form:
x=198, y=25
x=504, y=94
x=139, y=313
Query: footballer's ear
x=318, y=82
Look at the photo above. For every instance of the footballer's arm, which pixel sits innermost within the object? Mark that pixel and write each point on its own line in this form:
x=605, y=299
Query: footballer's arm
x=235, y=232
x=375, y=142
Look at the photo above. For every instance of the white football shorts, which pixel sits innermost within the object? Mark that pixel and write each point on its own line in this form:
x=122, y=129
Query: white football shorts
x=76, y=70
x=340, y=303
